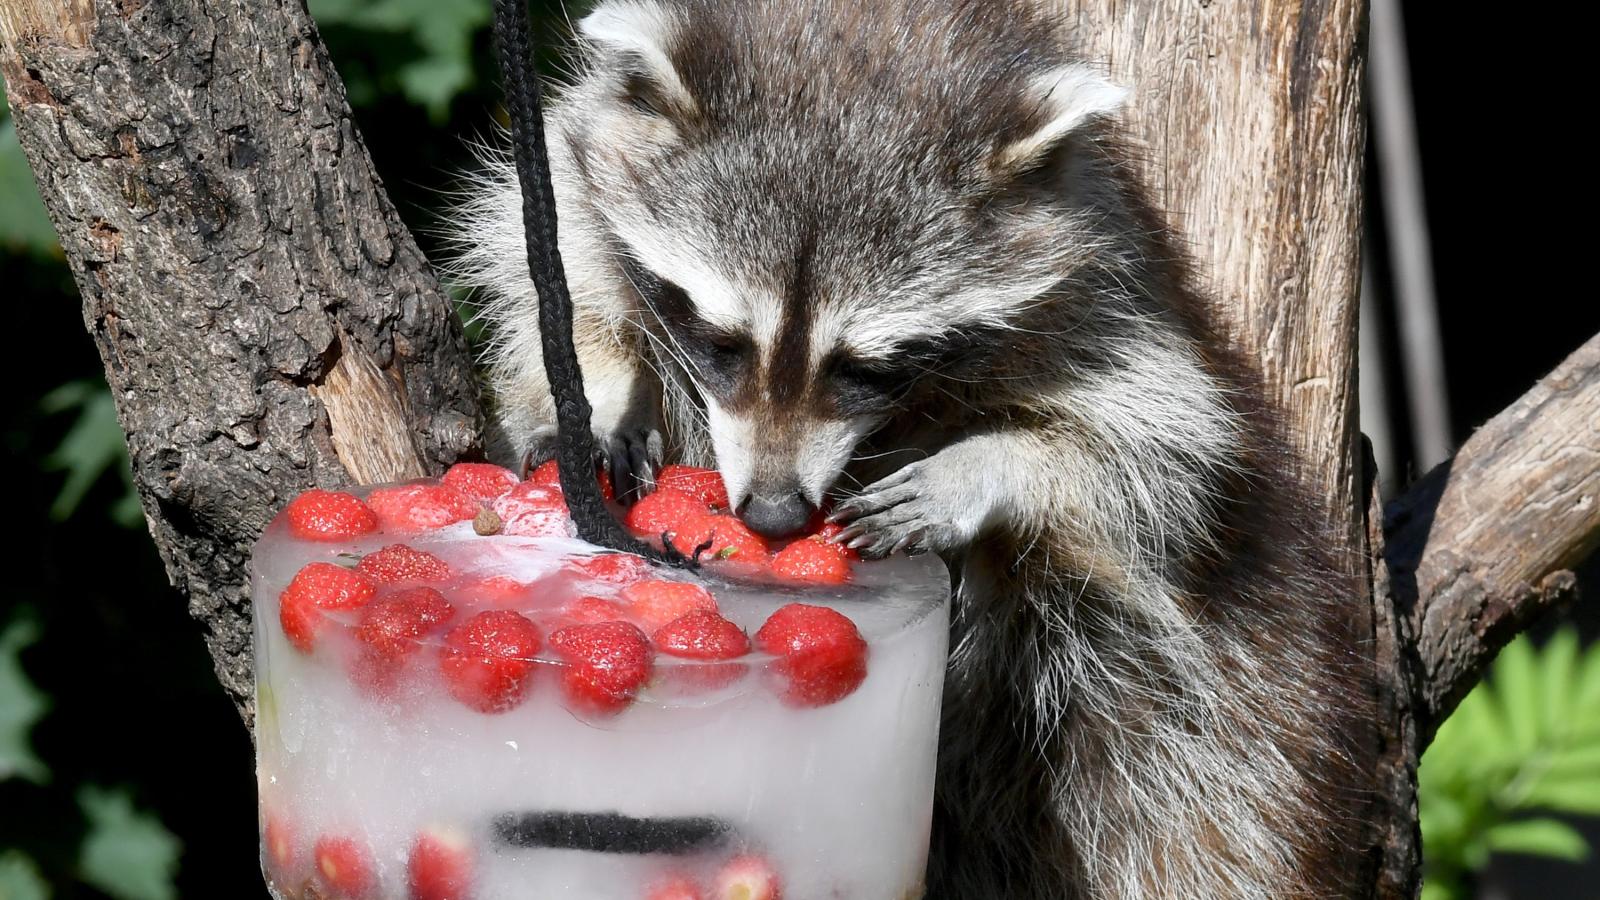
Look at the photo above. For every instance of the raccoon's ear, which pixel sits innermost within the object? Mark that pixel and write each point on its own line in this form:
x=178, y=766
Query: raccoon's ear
x=1061, y=101
x=638, y=35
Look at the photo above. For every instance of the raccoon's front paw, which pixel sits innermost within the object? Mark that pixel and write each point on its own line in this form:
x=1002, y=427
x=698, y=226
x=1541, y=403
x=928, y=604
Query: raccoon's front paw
x=917, y=509
x=630, y=454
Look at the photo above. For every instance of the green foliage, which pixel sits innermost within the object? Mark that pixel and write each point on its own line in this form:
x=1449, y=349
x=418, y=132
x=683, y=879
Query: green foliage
x=24, y=227
x=1526, y=740
x=92, y=447
x=20, y=878
x=127, y=853
x=431, y=41
x=21, y=705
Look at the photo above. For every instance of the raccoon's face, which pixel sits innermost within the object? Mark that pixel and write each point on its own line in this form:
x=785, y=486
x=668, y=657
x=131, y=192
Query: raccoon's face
x=820, y=216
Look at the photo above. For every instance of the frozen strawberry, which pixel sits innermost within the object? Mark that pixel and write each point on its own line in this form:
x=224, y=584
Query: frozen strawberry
x=410, y=508
x=821, y=656
x=704, y=485
x=480, y=481
x=593, y=610
x=316, y=589
x=530, y=510
x=814, y=561
x=548, y=475
x=494, y=590
x=747, y=877
x=345, y=866
x=701, y=634
x=319, y=515
x=662, y=511
x=440, y=866
x=280, y=839
x=607, y=663
x=675, y=887
x=654, y=603
x=827, y=531
x=611, y=568
x=398, y=563
x=488, y=661
x=722, y=537
x=391, y=627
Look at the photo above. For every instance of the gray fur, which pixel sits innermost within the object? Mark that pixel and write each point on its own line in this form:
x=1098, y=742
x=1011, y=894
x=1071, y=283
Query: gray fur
x=916, y=271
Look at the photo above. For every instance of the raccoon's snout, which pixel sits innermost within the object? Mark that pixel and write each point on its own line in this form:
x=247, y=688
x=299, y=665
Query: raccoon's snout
x=779, y=516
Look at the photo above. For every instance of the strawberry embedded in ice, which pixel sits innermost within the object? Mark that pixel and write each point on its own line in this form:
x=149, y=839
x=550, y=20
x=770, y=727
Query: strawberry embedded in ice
x=747, y=877
x=345, y=867
x=654, y=603
x=827, y=532
x=390, y=631
x=704, y=485
x=611, y=568
x=701, y=634
x=821, y=656
x=664, y=510
x=440, y=866
x=721, y=537
x=488, y=661
x=319, y=515
x=398, y=563
x=607, y=664
x=316, y=589
x=813, y=561
x=411, y=508
x=480, y=481
x=494, y=590
x=590, y=610
x=530, y=510
x=675, y=887
x=280, y=839
x=548, y=475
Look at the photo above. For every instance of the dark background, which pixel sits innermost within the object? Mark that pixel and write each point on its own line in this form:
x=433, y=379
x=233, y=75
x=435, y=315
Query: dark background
x=133, y=700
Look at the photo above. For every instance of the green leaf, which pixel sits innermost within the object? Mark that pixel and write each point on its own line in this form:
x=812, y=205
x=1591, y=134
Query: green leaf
x=1441, y=889
x=127, y=853
x=1539, y=837
x=23, y=223
x=91, y=447
x=1558, y=665
x=20, y=878
x=1580, y=797
x=1518, y=685
x=1586, y=686
x=21, y=705
x=443, y=32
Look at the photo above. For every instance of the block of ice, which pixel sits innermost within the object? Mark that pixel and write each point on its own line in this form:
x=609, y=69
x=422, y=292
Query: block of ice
x=449, y=714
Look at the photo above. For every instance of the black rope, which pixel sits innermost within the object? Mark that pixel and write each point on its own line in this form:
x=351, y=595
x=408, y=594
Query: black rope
x=575, y=449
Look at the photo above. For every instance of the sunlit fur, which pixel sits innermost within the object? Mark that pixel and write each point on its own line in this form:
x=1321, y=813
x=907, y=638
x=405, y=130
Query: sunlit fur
x=1142, y=700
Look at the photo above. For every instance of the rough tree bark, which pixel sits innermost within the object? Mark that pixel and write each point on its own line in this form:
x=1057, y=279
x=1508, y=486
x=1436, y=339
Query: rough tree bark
x=267, y=322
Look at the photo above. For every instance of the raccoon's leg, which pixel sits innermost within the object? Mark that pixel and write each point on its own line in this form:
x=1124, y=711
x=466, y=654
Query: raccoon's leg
x=622, y=391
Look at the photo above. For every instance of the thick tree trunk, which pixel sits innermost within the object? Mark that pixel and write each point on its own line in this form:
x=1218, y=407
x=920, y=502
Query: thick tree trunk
x=268, y=324
x=266, y=321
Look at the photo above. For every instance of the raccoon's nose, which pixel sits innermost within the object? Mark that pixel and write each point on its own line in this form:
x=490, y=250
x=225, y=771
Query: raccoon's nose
x=776, y=517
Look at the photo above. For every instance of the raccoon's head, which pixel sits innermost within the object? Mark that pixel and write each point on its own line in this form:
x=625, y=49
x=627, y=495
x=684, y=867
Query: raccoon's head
x=823, y=208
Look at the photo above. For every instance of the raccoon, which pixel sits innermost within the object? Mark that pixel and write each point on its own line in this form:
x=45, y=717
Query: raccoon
x=890, y=255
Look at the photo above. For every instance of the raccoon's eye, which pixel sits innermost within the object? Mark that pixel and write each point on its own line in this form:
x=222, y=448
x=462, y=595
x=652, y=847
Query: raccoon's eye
x=861, y=386
x=726, y=348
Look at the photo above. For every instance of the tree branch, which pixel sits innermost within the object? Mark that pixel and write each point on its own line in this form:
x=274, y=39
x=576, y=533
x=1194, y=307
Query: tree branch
x=265, y=319
x=1483, y=544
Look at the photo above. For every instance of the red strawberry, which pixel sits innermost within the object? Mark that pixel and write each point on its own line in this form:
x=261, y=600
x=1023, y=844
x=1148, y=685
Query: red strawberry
x=399, y=562
x=480, y=481
x=495, y=590
x=319, y=587
x=530, y=510
x=488, y=661
x=701, y=634
x=814, y=561
x=319, y=515
x=663, y=510
x=282, y=846
x=704, y=485
x=593, y=610
x=675, y=887
x=410, y=508
x=822, y=657
x=747, y=877
x=440, y=866
x=827, y=531
x=654, y=603
x=345, y=866
x=728, y=538
x=548, y=475
x=390, y=630
x=612, y=568
x=607, y=663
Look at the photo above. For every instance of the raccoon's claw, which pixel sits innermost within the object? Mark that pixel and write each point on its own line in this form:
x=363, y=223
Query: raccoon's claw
x=897, y=514
x=632, y=456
